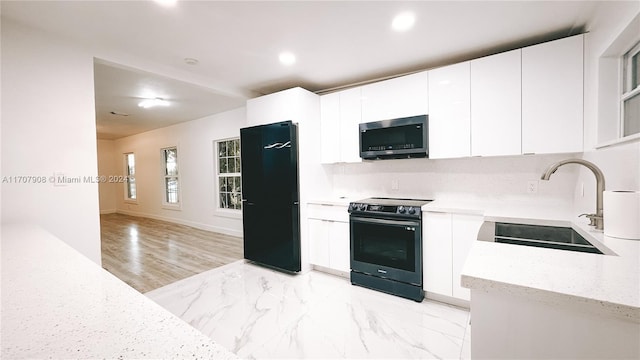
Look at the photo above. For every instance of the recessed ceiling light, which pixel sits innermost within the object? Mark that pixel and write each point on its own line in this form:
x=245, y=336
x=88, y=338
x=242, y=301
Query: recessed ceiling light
x=191, y=61
x=166, y=3
x=147, y=103
x=287, y=58
x=403, y=21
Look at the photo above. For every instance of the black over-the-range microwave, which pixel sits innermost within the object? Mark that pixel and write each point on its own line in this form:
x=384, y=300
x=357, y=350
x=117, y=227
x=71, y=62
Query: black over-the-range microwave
x=395, y=139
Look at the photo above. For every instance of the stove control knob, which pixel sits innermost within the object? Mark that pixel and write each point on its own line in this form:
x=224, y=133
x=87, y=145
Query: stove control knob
x=401, y=209
x=352, y=207
x=361, y=207
x=411, y=210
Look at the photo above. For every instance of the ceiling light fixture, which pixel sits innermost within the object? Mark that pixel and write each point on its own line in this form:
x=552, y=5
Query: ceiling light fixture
x=147, y=103
x=403, y=21
x=167, y=3
x=287, y=58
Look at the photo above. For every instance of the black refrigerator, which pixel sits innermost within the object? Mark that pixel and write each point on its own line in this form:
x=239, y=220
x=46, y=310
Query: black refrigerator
x=270, y=196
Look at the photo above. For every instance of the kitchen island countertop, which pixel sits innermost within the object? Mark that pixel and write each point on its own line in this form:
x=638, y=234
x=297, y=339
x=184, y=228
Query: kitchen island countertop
x=56, y=303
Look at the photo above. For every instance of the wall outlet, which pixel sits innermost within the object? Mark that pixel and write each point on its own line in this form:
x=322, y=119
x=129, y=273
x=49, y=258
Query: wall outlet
x=532, y=187
x=395, y=184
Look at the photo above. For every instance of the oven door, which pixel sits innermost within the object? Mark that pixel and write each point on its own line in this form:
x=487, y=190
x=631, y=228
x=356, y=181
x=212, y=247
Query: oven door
x=386, y=247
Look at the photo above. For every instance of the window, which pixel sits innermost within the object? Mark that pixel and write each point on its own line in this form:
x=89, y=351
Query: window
x=229, y=185
x=130, y=170
x=170, y=166
x=631, y=92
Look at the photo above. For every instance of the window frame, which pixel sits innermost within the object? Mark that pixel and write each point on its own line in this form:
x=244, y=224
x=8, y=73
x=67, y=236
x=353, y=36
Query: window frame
x=230, y=212
x=127, y=179
x=610, y=87
x=164, y=176
x=625, y=83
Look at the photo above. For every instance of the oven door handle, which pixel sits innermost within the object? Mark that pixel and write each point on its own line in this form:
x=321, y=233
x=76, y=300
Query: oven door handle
x=385, y=221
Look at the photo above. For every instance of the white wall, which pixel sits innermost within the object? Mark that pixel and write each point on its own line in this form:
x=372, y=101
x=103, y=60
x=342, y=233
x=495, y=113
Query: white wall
x=620, y=163
x=195, y=142
x=48, y=126
x=107, y=168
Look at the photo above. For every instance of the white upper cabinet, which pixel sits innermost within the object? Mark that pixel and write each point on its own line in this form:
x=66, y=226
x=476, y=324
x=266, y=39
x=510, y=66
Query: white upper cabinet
x=350, y=119
x=552, y=96
x=449, y=111
x=340, y=117
x=330, y=128
x=496, y=105
x=395, y=98
x=291, y=104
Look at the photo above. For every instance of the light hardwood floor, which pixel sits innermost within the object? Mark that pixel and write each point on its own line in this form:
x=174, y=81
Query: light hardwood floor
x=148, y=254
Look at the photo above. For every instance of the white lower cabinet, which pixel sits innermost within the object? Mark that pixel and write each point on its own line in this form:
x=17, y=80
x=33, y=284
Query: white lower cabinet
x=437, y=259
x=318, y=236
x=329, y=237
x=464, y=232
x=339, y=246
x=447, y=239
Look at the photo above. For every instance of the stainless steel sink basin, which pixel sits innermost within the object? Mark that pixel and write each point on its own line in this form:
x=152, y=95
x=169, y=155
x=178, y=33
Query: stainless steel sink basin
x=552, y=237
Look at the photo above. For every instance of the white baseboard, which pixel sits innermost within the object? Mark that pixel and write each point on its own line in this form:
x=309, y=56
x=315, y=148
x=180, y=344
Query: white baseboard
x=334, y=272
x=448, y=300
x=108, y=211
x=194, y=224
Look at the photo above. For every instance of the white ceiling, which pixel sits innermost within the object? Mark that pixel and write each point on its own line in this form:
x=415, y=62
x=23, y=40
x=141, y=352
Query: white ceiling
x=337, y=43
x=120, y=90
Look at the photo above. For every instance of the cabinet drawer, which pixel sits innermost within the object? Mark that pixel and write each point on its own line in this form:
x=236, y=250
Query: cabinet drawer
x=328, y=212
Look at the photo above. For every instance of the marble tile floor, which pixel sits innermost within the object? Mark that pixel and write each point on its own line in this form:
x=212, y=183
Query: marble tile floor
x=256, y=312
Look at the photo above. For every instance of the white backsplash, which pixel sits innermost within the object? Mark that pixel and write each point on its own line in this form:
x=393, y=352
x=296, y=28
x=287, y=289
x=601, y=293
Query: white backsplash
x=486, y=178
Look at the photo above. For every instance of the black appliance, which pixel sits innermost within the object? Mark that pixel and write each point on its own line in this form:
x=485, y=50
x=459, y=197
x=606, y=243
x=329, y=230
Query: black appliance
x=386, y=245
x=270, y=198
x=395, y=139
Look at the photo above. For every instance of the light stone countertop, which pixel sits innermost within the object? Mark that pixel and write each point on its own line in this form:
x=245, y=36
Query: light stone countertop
x=609, y=284
x=338, y=201
x=56, y=303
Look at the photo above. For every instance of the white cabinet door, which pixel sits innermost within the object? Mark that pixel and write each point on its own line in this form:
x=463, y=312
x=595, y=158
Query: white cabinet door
x=276, y=107
x=319, y=242
x=464, y=233
x=552, y=96
x=330, y=128
x=437, y=253
x=449, y=112
x=339, y=246
x=350, y=119
x=496, y=105
x=395, y=98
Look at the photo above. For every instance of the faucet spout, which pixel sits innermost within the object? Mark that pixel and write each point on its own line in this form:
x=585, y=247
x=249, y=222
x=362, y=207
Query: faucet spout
x=598, y=217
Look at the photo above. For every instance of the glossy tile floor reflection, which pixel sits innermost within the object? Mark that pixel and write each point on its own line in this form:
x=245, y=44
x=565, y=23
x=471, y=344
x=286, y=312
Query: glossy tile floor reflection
x=260, y=313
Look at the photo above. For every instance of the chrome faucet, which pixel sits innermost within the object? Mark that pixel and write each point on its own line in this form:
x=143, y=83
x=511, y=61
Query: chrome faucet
x=596, y=219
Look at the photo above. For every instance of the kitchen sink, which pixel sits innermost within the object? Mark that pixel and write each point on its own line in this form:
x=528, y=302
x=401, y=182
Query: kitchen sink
x=552, y=237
